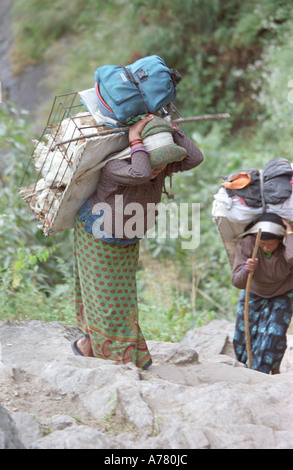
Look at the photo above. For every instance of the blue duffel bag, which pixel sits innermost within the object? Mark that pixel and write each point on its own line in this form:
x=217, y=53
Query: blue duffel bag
x=142, y=87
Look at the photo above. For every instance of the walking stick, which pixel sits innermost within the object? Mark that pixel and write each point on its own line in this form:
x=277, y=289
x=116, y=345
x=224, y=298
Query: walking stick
x=246, y=305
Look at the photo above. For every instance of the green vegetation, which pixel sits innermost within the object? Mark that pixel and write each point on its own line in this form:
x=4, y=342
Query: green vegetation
x=36, y=272
x=235, y=57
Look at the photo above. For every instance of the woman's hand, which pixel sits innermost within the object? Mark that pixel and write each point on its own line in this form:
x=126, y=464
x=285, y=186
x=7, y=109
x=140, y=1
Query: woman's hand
x=288, y=226
x=136, y=128
x=251, y=264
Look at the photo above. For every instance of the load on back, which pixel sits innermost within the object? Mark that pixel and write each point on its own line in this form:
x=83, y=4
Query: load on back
x=66, y=161
x=245, y=195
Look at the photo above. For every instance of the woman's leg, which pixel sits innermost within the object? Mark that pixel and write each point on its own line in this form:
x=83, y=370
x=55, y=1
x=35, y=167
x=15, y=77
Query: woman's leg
x=269, y=319
x=105, y=299
x=239, y=339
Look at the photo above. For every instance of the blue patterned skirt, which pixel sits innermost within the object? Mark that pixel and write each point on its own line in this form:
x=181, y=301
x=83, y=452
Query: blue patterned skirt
x=269, y=319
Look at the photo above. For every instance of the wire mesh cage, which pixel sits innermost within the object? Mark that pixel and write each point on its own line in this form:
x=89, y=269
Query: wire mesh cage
x=63, y=169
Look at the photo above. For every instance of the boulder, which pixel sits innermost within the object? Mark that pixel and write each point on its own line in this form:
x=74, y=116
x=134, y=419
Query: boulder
x=9, y=438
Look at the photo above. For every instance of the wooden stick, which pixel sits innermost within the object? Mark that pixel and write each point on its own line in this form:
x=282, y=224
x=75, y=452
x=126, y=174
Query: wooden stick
x=246, y=305
x=205, y=117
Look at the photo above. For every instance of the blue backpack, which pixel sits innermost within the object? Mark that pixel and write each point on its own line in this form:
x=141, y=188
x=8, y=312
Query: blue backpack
x=140, y=88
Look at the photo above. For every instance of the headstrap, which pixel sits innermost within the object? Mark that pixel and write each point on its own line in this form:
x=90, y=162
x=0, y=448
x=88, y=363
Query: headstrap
x=266, y=226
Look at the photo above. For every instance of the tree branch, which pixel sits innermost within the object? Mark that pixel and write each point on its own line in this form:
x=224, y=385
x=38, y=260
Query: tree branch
x=204, y=117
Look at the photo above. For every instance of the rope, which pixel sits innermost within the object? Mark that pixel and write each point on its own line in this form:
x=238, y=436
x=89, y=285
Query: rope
x=262, y=190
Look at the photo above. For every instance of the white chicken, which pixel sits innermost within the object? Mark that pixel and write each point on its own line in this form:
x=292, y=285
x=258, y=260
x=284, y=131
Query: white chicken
x=56, y=167
x=52, y=165
x=47, y=199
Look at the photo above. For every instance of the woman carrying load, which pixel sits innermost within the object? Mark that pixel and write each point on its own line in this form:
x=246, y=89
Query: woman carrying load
x=106, y=258
x=271, y=292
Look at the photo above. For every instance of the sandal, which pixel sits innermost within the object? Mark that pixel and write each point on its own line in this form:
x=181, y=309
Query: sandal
x=75, y=349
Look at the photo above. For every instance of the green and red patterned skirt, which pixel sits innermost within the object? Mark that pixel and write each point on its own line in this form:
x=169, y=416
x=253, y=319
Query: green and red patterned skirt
x=106, y=299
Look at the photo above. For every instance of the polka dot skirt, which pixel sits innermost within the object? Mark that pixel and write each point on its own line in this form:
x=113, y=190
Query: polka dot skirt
x=105, y=298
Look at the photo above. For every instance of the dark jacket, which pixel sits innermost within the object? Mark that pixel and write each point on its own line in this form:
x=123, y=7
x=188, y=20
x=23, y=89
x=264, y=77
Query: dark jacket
x=275, y=186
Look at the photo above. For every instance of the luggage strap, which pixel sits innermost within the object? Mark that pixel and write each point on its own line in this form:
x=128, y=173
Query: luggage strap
x=136, y=83
x=261, y=190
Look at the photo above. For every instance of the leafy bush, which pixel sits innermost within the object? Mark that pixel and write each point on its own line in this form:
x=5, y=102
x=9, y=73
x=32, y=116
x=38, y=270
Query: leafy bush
x=30, y=274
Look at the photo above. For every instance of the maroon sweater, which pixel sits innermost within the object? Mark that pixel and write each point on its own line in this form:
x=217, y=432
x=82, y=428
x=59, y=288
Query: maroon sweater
x=131, y=181
x=272, y=276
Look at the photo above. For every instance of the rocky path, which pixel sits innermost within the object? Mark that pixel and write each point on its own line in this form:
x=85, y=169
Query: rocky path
x=194, y=396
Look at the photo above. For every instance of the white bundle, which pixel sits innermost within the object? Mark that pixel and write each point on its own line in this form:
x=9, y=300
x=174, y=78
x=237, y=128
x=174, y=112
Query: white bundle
x=57, y=166
x=44, y=200
x=69, y=171
x=52, y=165
x=55, y=169
x=284, y=209
x=47, y=198
x=233, y=209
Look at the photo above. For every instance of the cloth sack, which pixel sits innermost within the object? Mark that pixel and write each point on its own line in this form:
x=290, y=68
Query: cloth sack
x=239, y=181
x=277, y=176
x=139, y=88
x=251, y=192
x=270, y=186
x=157, y=136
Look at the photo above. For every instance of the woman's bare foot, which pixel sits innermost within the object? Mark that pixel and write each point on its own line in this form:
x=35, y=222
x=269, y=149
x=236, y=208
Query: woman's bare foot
x=85, y=347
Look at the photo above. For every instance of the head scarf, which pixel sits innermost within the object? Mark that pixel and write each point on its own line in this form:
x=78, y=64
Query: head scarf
x=271, y=225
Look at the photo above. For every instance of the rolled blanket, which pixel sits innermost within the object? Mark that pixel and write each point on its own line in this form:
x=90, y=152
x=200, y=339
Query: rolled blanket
x=157, y=138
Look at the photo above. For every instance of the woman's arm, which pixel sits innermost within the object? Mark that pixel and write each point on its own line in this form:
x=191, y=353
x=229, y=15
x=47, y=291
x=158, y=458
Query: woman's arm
x=129, y=174
x=139, y=170
x=194, y=155
x=288, y=243
x=243, y=264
